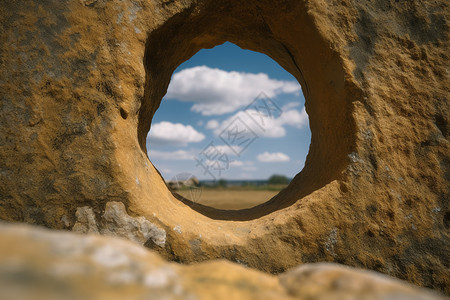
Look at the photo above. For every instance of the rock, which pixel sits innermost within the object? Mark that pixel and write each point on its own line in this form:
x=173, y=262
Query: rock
x=330, y=281
x=41, y=264
x=80, y=82
x=63, y=265
x=116, y=222
x=85, y=221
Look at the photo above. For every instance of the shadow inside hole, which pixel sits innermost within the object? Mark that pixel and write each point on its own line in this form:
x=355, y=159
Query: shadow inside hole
x=123, y=113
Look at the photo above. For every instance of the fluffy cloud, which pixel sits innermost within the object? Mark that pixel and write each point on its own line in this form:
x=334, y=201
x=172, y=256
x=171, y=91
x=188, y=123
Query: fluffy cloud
x=272, y=157
x=175, y=134
x=211, y=149
x=237, y=163
x=217, y=92
x=290, y=105
x=212, y=124
x=264, y=126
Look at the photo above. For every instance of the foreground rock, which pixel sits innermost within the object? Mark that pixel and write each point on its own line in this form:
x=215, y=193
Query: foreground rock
x=80, y=81
x=41, y=264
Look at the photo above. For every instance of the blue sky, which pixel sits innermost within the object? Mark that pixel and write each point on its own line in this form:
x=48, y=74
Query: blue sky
x=233, y=114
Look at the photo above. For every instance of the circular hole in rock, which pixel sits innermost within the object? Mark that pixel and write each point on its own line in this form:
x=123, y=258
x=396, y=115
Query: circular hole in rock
x=232, y=130
x=331, y=95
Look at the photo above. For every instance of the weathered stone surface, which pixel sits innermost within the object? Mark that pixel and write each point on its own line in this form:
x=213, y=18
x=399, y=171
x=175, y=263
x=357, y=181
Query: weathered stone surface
x=116, y=222
x=81, y=80
x=329, y=281
x=86, y=222
x=41, y=264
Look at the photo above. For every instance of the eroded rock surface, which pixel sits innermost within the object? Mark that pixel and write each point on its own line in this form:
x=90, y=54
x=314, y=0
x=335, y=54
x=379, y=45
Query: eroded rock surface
x=42, y=264
x=81, y=80
x=329, y=281
x=116, y=222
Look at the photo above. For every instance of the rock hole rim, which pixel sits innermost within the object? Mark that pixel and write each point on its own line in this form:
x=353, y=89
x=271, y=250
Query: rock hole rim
x=328, y=92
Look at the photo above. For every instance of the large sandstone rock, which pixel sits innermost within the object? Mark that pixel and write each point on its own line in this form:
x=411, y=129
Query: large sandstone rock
x=81, y=80
x=40, y=264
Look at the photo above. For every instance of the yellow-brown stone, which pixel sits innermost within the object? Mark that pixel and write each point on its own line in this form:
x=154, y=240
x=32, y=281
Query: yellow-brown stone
x=41, y=264
x=81, y=80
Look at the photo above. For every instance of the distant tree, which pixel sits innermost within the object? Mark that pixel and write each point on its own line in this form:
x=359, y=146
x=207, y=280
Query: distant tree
x=222, y=183
x=278, y=179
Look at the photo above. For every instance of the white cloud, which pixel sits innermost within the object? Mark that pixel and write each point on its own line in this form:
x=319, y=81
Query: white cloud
x=171, y=155
x=272, y=157
x=217, y=92
x=293, y=118
x=290, y=105
x=176, y=134
x=212, y=149
x=263, y=126
x=243, y=165
x=236, y=163
x=212, y=124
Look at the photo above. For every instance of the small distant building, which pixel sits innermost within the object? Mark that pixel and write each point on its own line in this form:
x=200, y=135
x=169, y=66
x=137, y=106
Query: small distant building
x=176, y=184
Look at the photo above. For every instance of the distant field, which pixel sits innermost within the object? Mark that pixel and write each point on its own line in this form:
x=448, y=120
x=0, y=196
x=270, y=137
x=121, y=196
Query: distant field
x=233, y=198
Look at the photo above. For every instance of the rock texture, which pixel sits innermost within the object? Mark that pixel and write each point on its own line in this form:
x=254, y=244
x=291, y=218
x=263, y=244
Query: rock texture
x=329, y=281
x=62, y=265
x=116, y=222
x=81, y=80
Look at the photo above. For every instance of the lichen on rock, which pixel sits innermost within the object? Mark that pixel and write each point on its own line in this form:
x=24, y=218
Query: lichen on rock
x=116, y=222
x=86, y=222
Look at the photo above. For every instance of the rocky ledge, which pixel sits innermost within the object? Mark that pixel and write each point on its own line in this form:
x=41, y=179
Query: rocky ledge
x=38, y=263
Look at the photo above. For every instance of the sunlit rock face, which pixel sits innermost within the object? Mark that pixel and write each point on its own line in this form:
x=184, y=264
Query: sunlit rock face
x=64, y=265
x=81, y=80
